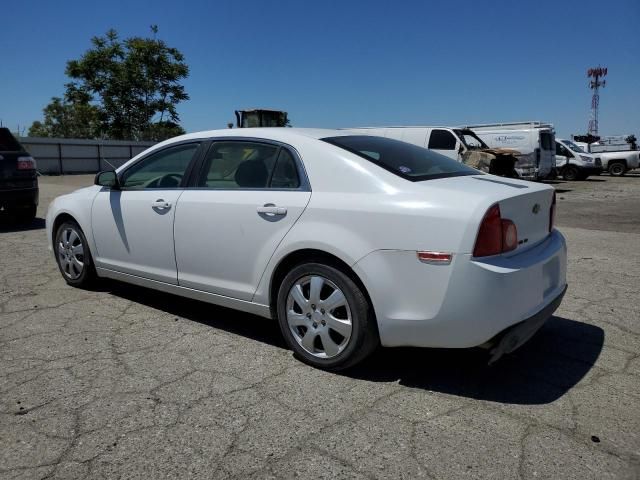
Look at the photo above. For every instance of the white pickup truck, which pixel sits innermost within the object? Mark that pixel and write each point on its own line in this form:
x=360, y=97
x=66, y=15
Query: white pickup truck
x=617, y=163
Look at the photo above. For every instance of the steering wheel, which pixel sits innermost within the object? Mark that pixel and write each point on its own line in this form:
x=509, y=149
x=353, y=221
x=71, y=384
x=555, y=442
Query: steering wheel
x=170, y=180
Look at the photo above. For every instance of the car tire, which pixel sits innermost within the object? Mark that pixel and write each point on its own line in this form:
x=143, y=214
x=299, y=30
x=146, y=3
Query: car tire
x=617, y=169
x=73, y=256
x=325, y=317
x=570, y=174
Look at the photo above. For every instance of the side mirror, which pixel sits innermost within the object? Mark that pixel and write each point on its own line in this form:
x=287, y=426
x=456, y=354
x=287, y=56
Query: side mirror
x=107, y=179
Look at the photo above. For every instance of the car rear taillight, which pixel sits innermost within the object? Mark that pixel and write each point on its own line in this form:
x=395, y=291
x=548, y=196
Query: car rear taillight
x=496, y=235
x=552, y=213
x=26, y=163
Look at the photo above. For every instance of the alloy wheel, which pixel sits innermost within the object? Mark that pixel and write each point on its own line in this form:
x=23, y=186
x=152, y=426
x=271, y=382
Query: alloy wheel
x=319, y=316
x=71, y=253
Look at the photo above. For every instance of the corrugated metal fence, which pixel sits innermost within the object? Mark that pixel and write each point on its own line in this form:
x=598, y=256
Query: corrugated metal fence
x=59, y=156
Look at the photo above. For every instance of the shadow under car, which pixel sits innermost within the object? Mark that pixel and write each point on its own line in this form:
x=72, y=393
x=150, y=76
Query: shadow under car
x=559, y=355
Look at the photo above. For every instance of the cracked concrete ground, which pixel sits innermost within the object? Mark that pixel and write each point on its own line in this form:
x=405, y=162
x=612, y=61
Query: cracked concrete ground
x=123, y=382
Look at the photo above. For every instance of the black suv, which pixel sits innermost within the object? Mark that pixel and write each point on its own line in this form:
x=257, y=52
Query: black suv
x=18, y=179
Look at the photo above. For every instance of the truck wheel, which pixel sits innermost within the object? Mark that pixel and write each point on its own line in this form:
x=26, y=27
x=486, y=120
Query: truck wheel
x=570, y=173
x=617, y=169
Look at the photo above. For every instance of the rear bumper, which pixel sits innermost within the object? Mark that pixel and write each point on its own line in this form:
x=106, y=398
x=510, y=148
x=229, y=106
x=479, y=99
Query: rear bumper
x=516, y=336
x=464, y=304
x=19, y=197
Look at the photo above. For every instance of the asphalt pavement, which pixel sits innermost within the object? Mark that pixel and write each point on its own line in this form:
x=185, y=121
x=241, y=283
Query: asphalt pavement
x=124, y=382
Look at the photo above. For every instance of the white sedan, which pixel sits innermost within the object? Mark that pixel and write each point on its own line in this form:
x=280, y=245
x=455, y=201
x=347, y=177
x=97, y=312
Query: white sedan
x=350, y=241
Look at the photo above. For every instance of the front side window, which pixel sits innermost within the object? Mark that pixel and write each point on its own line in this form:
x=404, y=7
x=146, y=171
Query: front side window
x=442, y=140
x=403, y=159
x=163, y=169
x=248, y=165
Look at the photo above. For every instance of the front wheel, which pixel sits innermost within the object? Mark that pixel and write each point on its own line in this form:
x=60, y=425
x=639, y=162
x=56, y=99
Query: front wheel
x=73, y=255
x=570, y=174
x=325, y=317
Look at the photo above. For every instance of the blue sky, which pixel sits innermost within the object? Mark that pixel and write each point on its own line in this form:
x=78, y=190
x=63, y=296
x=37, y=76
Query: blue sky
x=351, y=63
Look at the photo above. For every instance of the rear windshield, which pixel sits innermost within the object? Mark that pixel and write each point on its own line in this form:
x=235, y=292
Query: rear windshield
x=404, y=159
x=7, y=142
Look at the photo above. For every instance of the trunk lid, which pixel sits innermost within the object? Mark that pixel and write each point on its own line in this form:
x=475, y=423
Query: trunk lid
x=531, y=214
x=526, y=204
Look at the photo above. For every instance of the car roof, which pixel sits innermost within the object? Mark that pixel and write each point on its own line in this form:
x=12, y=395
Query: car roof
x=276, y=133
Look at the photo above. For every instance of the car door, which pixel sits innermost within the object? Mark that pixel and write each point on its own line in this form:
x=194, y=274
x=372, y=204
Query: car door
x=444, y=142
x=562, y=156
x=248, y=195
x=133, y=225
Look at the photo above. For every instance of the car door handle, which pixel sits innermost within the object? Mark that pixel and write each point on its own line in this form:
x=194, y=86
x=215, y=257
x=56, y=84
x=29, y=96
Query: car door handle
x=272, y=210
x=161, y=204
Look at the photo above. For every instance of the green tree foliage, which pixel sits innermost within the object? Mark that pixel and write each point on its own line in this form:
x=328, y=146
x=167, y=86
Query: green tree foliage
x=67, y=119
x=632, y=140
x=119, y=89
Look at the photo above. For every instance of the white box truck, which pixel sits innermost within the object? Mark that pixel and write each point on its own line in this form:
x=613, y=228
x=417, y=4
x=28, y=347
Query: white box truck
x=535, y=142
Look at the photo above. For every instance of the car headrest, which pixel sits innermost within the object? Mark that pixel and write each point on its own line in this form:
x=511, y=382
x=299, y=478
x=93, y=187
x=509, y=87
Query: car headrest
x=252, y=174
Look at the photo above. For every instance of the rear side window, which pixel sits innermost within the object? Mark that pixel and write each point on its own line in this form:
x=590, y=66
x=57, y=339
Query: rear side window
x=546, y=141
x=248, y=165
x=285, y=175
x=403, y=159
x=8, y=143
x=442, y=140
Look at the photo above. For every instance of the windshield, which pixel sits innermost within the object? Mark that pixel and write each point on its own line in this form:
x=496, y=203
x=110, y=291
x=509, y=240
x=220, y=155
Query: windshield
x=470, y=139
x=573, y=146
x=403, y=159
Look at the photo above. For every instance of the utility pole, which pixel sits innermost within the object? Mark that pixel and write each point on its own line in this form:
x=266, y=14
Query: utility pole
x=596, y=81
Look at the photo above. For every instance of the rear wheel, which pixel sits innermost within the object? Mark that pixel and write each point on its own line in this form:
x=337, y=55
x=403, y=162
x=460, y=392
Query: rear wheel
x=617, y=169
x=73, y=255
x=325, y=317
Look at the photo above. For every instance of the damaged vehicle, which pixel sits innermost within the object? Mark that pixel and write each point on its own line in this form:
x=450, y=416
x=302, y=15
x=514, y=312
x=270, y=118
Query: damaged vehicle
x=534, y=142
x=460, y=144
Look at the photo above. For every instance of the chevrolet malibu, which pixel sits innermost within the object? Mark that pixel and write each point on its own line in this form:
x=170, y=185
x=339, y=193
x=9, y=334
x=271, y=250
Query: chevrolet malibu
x=349, y=241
